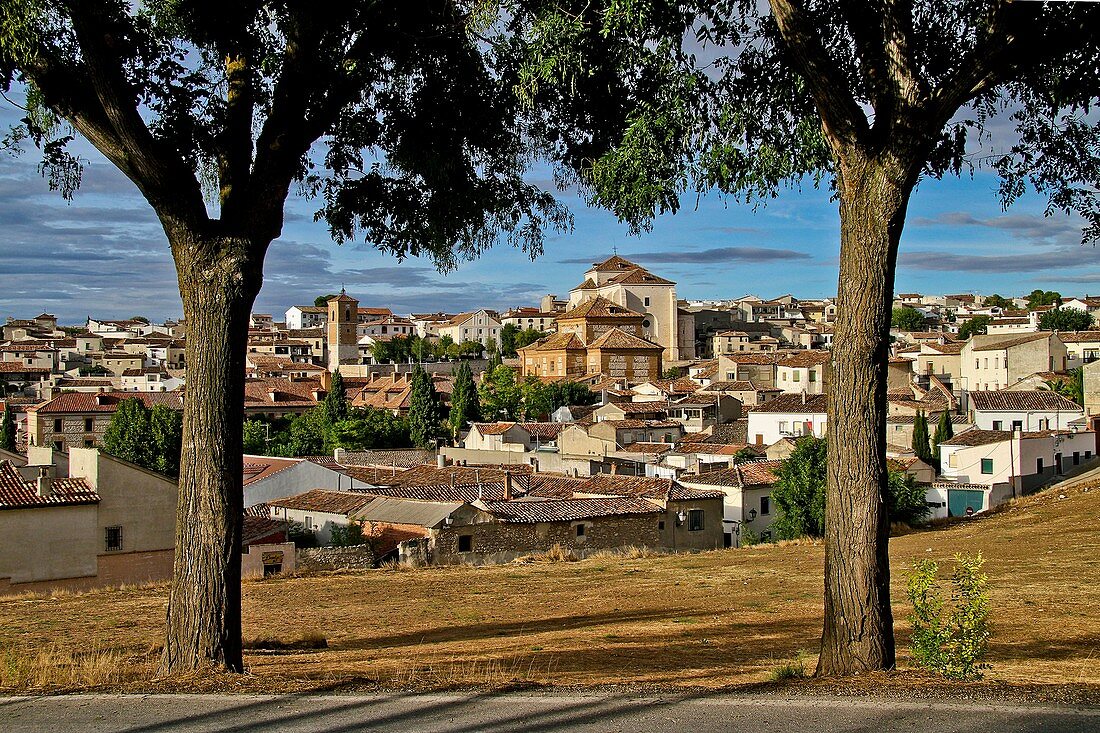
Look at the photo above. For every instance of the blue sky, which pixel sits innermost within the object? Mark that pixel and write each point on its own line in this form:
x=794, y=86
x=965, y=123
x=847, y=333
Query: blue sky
x=104, y=254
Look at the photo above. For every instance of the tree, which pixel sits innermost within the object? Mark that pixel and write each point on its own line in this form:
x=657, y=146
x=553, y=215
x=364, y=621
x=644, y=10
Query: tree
x=166, y=439
x=527, y=337
x=321, y=301
x=907, y=319
x=1072, y=388
x=996, y=301
x=336, y=399
x=801, y=498
x=508, y=346
x=570, y=393
x=1039, y=297
x=370, y=428
x=945, y=430
x=974, y=326
x=1065, y=319
x=127, y=435
x=255, y=437
x=538, y=399
x=465, y=405
x=423, y=410
x=867, y=96
x=501, y=397
x=921, y=446
x=7, y=429
x=201, y=103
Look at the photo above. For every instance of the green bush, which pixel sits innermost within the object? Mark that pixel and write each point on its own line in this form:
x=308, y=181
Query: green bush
x=347, y=535
x=951, y=640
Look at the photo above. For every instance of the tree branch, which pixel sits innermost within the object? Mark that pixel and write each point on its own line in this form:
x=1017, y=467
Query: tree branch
x=234, y=145
x=843, y=121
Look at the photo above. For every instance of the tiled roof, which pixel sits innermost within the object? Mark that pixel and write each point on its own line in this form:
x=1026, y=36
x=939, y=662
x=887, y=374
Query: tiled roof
x=18, y=493
x=640, y=487
x=794, y=403
x=806, y=358
x=648, y=448
x=976, y=436
x=15, y=367
x=552, y=486
x=493, y=428
x=599, y=307
x=81, y=402
x=751, y=473
x=742, y=385
x=568, y=510
x=909, y=420
x=1023, y=400
x=487, y=490
x=257, y=468
x=400, y=458
x=614, y=263
x=616, y=338
x=757, y=357
x=949, y=348
x=1077, y=337
x=543, y=430
x=634, y=424
x=322, y=500
x=257, y=392
x=1009, y=343
x=639, y=276
x=639, y=408
x=556, y=342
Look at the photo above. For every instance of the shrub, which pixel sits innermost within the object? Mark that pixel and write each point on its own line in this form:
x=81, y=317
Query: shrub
x=348, y=535
x=950, y=640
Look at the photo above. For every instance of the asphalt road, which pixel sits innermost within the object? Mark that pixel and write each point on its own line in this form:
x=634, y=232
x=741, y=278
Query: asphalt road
x=513, y=713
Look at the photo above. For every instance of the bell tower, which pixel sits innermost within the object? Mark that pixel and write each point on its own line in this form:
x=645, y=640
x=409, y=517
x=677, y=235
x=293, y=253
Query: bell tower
x=343, y=316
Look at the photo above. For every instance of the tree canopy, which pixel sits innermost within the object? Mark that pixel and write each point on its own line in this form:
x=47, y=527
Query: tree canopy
x=1039, y=297
x=151, y=438
x=974, y=326
x=1065, y=319
x=907, y=319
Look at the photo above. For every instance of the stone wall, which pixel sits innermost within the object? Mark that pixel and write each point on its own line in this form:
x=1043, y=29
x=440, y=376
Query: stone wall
x=315, y=559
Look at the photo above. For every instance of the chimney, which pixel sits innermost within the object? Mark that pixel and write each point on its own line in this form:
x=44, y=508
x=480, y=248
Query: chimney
x=507, y=485
x=45, y=481
x=338, y=455
x=440, y=461
x=271, y=395
x=803, y=396
x=452, y=479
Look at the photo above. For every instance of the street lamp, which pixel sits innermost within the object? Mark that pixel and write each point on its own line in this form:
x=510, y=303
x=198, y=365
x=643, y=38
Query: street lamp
x=752, y=514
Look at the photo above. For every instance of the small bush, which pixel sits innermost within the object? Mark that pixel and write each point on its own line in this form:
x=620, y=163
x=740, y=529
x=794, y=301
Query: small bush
x=794, y=669
x=950, y=640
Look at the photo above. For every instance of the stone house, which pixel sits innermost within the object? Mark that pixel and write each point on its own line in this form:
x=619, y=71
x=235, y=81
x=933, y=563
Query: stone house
x=267, y=478
x=79, y=419
x=1082, y=347
x=319, y=511
x=746, y=490
x=743, y=391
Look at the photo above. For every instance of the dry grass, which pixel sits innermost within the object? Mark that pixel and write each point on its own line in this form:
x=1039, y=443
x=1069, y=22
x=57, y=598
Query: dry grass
x=556, y=553
x=715, y=619
x=308, y=639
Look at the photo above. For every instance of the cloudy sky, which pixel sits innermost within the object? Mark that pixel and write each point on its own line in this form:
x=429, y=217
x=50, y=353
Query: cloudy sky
x=104, y=254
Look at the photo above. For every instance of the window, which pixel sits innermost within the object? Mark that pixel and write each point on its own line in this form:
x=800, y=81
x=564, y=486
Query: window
x=695, y=520
x=580, y=530
x=114, y=539
x=951, y=461
x=57, y=425
x=998, y=425
x=797, y=376
x=89, y=443
x=813, y=375
x=1038, y=465
x=646, y=301
x=88, y=424
x=987, y=465
x=661, y=525
x=1017, y=425
x=765, y=505
x=309, y=523
x=58, y=445
x=465, y=543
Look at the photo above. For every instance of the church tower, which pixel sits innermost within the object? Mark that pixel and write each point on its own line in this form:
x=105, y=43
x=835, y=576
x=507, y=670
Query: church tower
x=343, y=316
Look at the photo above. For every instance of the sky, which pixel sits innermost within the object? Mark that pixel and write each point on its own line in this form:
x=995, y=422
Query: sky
x=104, y=254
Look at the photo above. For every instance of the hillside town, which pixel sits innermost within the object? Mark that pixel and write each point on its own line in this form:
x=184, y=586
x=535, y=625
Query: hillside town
x=614, y=416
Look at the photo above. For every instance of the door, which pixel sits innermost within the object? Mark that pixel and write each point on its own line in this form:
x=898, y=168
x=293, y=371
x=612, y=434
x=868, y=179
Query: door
x=959, y=500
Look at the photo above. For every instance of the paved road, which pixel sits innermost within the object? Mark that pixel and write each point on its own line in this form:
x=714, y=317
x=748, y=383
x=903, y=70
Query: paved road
x=516, y=713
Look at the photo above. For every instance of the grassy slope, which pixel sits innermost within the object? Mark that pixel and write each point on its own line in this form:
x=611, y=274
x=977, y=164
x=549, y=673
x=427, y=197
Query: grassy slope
x=710, y=620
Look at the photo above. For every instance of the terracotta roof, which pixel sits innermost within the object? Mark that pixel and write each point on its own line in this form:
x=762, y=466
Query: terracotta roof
x=15, y=367
x=648, y=448
x=638, y=408
x=757, y=357
x=639, y=276
x=742, y=385
x=634, y=424
x=1077, y=337
x=493, y=428
x=794, y=403
x=599, y=307
x=322, y=500
x=1023, y=400
x=552, y=486
x=543, y=430
x=949, y=348
x=19, y=493
x=80, y=402
x=641, y=487
x=1009, y=343
x=400, y=458
x=615, y=338
x=806, y=358
x=555, y=342
x=614, y=263
x=568, y=510
x=257, y=392
x=489, y=490
x=257, y=468
x=751, y=473
x=977, y=436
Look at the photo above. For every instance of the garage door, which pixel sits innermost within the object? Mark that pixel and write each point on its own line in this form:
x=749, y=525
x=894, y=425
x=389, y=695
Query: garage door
x=958, y=500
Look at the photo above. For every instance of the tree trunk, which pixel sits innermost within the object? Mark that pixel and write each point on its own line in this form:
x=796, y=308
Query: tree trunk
x=218, y=283
x=858, y=631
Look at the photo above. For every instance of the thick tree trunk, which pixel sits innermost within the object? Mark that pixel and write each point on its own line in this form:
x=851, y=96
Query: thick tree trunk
x=858, y=632
x=218, y=284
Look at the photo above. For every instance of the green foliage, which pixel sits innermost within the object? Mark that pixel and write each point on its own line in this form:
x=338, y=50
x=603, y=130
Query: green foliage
x=424, y=410
x=1065, y=319
x=996, y=301
x=369, y=429
x=974, y=326
x=508, y=334
x=799, y=493
x=465, y=403
x=336, y=399
x=297, y=533
x=1039, y=297
x=944, y=431
x=537, y=398
x=152, y=439
x=501, y=396
x=322, y=300
x=951, y=640
x=743, y=455
x=673, y=373
x=570, y=393
x=255, y=437
x=8, y=428
x=94, y=370
x=347, y=535
x=528, y=336
x=907, y=319
x=921, y=446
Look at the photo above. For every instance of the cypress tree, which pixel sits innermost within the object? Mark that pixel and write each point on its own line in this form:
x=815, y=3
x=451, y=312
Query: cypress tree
x=944, y=431
x=423, y=410
x=920, y=438
x=336, y=399
x=465, y=405
x=7, y=428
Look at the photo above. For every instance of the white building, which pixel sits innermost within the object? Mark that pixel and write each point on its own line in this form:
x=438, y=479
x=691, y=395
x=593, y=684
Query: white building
x=1027, y=410
x=481, y=326
x=787, y=416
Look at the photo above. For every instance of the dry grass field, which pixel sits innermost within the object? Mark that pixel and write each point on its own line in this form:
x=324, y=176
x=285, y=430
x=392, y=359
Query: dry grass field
x=718, y=619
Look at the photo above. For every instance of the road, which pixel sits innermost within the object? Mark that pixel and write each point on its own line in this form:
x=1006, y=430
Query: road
x=515, y=713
